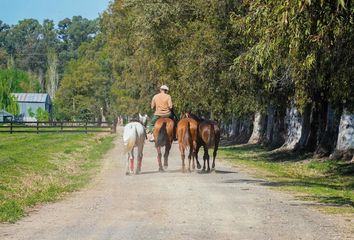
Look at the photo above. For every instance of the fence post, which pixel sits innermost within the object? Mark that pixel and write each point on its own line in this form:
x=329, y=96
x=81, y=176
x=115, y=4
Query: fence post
x=86, y=127
x=114, y=126
x=11, y=127
x=37, y=127
x=61, y=126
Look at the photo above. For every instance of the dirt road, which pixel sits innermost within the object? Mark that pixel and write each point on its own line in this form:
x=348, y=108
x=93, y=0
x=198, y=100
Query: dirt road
x=226, y=204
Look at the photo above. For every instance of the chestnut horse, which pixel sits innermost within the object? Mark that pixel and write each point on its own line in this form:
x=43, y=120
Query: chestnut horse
x=187, y=133
x=163, y=135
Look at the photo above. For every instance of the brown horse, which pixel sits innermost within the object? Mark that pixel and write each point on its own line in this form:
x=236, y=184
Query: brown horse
x=163, y=135
x=187, y=133
x=208, y=137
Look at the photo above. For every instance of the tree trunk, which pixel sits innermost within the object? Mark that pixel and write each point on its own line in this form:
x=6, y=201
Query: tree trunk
x=274, y=137
x=279, y=128
x=234, y=128
x=245, y=130
x=311, y=142
x=345, y=142
x=327, y=137
x=270, y=123
x=293, y=123
x=305, y=128
x=258, y=128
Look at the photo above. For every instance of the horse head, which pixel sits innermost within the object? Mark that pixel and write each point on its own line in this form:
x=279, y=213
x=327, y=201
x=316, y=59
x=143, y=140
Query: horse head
x=191, y=115
x=185, y=115
x=143, y=119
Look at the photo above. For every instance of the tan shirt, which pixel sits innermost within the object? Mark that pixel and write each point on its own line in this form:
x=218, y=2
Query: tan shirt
x=162, y=103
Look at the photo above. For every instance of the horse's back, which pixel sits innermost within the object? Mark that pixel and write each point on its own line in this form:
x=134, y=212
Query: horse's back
x=182, y=129
x=134, y=133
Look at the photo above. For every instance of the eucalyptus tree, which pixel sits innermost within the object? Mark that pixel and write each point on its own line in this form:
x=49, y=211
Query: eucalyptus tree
x=292, y=46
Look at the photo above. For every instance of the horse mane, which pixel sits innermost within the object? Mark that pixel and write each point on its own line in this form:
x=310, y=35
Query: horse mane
x=138, y=121
x=195, y=117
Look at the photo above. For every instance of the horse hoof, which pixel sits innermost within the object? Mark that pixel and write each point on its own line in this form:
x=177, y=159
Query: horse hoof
x=161, y=169
x=199, y=166
x=137, y=172
x=127, y=173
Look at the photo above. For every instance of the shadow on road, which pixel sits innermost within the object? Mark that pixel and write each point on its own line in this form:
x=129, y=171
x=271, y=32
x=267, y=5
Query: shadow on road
x=179, y=170
x=223, y=172
x=243, y=181
x=156, y=171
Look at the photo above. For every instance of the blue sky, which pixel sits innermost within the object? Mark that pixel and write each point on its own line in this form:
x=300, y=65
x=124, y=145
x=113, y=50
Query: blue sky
x=11, y=11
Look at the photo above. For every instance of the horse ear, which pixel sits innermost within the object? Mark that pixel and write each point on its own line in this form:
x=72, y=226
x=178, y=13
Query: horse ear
x=140, y=115
x=145, y=115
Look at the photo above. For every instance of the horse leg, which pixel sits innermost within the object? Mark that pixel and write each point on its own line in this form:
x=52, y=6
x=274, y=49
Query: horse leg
x=140, y=158
x=190, y=158
x=208, y=159
x=159, y=156
x=132, y=161
x=205, y=157
x=127, y=165
x=196, y=156
x=194, y=153
x=214, y=154
x=165, y=156
x=183, y=156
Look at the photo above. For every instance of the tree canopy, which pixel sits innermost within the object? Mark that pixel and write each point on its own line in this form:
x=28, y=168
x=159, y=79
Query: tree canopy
x=221, y=58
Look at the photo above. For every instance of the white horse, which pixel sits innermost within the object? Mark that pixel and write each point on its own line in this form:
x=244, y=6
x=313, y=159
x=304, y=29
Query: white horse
x=134, y=136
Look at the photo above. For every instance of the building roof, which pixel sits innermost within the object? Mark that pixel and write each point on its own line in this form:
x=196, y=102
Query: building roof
x=32, y=97
x=5, y=114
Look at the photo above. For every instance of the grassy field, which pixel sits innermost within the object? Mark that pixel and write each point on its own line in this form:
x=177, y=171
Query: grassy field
x=325, y=181
x=38, y=168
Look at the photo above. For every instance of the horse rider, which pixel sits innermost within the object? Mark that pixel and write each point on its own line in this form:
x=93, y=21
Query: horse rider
x=162, y=103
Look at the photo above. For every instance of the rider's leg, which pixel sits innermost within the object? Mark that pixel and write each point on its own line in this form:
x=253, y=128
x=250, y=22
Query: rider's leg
x=175, y=121
x=152, y=123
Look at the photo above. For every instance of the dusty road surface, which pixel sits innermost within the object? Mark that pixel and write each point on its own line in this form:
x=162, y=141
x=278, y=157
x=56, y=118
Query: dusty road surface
x=226, y=204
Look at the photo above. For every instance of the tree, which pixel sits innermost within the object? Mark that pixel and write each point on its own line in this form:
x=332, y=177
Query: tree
x=83, y=90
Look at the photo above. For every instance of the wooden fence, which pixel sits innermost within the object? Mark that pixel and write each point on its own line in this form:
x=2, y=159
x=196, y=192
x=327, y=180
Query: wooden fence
x=55, y=127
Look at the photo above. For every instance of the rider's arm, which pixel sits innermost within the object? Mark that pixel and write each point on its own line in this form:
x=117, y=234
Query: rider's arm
x=153, y=103
x=170, y=103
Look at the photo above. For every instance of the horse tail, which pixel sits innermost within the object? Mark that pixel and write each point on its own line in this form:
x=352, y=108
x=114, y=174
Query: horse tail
x=162, y=136
x=187, y=135
x=129, y=137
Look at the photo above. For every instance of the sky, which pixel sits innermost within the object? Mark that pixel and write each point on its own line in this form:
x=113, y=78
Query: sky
x=11, y=11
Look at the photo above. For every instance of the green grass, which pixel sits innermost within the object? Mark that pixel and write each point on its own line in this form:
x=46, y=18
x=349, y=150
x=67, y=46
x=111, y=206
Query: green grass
x=325, y=181
x=39, y=168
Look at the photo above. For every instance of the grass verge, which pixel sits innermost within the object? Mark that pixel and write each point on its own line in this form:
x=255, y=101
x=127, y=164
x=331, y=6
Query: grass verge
x=325, y=181
x=39, y=168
